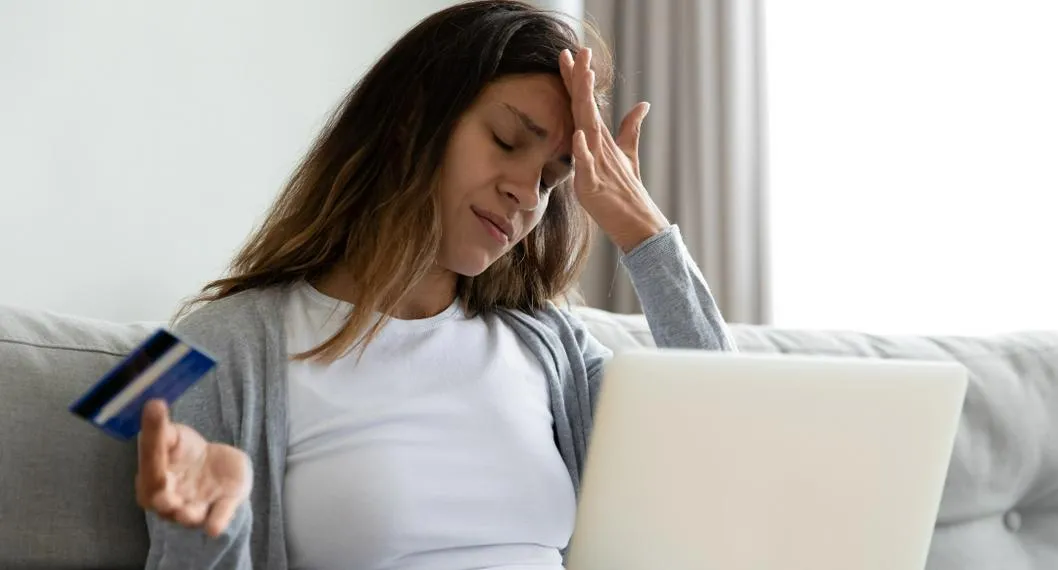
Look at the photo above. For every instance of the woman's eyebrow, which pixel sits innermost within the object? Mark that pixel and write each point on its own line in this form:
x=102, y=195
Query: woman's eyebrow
x=527, y=122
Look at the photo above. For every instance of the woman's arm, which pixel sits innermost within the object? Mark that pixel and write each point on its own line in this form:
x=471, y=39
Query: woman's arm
x=207, y=409
x=675, y=298
x=173, y=545
x=676, y=301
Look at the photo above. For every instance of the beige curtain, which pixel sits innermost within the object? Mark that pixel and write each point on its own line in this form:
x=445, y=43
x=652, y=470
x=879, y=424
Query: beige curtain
x=698, y=62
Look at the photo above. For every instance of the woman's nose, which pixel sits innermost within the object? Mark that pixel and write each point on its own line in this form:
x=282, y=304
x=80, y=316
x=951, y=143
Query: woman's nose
x=524, y=193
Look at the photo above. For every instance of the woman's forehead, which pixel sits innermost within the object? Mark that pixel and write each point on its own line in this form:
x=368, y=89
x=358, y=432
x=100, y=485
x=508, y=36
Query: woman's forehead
x=540, y=100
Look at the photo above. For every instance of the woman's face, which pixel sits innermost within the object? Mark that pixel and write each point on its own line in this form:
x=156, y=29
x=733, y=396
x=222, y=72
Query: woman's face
x=504, y=157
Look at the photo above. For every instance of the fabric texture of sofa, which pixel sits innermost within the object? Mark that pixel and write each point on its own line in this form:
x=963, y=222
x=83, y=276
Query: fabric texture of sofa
x=66, y=490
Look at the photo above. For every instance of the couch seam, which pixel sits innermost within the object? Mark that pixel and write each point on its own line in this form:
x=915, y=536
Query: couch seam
x=62, y=347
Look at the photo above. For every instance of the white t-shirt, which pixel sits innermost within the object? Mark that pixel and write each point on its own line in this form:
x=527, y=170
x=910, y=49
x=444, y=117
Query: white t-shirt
x=435, y=451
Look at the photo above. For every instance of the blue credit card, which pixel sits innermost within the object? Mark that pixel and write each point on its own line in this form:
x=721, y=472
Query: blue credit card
x=162, y=367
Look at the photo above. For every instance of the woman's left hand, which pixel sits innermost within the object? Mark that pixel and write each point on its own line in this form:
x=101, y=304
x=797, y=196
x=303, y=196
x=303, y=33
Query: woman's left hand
x=606, y=170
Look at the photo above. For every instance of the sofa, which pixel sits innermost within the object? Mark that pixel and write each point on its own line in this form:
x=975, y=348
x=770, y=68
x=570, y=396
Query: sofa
x=66, y=490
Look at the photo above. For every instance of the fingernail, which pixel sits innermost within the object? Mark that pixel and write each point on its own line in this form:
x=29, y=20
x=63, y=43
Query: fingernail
x=647, y=109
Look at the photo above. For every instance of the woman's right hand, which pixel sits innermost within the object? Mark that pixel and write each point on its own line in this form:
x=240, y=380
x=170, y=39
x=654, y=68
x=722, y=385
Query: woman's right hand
x=185, y=478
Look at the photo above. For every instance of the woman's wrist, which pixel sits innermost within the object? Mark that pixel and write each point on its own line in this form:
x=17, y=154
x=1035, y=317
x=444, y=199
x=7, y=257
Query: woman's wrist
x=634, y=227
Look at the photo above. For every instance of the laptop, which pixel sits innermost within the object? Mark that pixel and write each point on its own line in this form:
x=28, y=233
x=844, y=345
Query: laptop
x=731, y=461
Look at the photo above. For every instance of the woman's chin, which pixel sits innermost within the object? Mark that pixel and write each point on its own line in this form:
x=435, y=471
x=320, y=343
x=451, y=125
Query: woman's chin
x=471, y=265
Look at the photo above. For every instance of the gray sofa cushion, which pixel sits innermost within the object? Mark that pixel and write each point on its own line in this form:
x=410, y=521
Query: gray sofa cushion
x=66, y=491
x=1000, y=504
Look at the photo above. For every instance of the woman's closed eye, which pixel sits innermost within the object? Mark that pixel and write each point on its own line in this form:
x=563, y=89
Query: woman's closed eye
x=503, y=145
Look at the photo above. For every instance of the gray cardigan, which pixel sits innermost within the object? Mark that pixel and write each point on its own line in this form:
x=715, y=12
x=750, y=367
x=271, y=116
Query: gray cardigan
x=243, y=401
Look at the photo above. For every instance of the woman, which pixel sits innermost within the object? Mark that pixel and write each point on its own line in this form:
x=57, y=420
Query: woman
x=397, y=387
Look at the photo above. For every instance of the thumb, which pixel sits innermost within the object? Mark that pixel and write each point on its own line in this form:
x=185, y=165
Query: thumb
x=628, y=133
x=154, y=443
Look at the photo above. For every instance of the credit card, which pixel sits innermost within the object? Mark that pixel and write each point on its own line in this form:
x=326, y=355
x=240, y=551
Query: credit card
x=161, y=367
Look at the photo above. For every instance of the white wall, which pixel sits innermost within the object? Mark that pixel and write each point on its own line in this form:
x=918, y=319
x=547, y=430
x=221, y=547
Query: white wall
x=141, y=141
x=912, y=165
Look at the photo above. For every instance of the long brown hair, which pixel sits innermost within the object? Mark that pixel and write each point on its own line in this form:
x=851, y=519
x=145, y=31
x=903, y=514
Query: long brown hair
x=364, y=195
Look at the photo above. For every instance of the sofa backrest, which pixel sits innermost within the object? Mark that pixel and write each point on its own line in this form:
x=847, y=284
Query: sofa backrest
x=67, y=498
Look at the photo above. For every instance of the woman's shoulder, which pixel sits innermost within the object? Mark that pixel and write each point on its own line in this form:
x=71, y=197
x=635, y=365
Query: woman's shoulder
x=247, y=317
x=558, y=320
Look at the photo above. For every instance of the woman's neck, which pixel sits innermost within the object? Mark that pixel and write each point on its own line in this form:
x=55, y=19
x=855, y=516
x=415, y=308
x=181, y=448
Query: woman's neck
x=429, y=297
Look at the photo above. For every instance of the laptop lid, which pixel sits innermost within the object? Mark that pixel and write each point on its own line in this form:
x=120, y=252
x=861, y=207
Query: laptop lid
x=733, y=461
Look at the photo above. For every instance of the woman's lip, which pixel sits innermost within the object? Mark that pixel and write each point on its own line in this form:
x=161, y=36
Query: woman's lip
x=494, y=221
x=493, y=230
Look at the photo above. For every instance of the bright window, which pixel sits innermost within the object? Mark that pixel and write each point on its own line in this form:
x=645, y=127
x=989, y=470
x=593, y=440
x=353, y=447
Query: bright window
x=913, y=164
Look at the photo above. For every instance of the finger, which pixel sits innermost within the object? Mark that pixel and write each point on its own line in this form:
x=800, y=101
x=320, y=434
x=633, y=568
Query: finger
x=220, y=516
x=143, y=493
x=584, y=176
x=631, y=127
x=585, y=113
x=565, y=68
x=596, y=131
x=153, y=447
x=192, y=515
